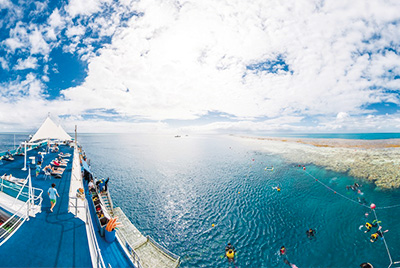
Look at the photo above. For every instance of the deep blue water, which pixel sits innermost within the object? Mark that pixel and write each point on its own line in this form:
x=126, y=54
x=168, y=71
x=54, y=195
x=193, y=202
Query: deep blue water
x=174, y=189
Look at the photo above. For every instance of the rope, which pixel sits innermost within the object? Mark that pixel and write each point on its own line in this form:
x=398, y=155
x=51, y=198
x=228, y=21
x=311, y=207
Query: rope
x=394, y=206
x=329, y=188
x=383, y=238
x=376, y=217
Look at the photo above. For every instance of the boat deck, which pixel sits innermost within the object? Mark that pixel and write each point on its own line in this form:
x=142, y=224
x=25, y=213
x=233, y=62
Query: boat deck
x=55, y=239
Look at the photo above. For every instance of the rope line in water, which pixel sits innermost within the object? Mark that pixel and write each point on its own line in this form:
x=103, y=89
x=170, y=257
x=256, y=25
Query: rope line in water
x=376, y=217
x=354, y=201
x=329, y=188
x=383, y=238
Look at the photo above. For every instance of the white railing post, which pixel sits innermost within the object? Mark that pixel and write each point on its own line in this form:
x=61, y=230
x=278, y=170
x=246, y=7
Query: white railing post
x=24, y=168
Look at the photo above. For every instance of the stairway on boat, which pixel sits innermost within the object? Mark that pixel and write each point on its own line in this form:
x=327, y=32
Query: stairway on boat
x=106, y=201
x=9, y=227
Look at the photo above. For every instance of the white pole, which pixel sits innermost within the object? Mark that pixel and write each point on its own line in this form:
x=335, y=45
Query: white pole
x=24, y=156
x=30, y=195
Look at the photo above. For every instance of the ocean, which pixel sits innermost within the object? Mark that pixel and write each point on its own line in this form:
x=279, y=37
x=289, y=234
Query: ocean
x=176, y=189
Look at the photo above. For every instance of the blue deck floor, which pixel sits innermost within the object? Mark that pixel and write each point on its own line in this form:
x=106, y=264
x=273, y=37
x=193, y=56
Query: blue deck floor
x=55, y=239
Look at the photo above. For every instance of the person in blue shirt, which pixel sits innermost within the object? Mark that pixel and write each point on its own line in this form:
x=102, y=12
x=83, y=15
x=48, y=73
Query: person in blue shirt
x=52, y=192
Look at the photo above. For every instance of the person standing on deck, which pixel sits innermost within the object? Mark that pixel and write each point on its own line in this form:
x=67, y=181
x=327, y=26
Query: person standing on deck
x=52, y=192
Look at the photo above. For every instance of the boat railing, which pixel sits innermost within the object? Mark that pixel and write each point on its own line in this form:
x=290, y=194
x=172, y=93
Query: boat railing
x=11, y=225
x=166, y=251
x=19, y=191
x=92, y=238
x=134, y=257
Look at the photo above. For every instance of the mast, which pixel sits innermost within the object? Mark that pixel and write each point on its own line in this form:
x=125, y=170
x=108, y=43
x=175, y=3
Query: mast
x=76, y=136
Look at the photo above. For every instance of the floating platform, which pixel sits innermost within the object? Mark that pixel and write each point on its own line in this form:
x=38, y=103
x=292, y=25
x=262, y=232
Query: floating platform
x=150, y=254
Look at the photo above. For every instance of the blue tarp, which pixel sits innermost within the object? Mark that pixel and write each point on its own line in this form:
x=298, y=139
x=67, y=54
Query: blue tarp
x=86, y=166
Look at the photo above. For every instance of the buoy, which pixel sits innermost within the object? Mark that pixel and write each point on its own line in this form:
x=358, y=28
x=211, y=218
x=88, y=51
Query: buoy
x=373, y=206
x=335, y=192
x=304, y=168
x=238, y=192
x=213, y=225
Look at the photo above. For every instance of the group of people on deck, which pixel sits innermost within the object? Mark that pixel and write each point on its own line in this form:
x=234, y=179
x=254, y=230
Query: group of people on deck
x=101, y=185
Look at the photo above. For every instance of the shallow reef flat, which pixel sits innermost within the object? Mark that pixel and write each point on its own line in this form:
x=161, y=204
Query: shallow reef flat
x=373, y=160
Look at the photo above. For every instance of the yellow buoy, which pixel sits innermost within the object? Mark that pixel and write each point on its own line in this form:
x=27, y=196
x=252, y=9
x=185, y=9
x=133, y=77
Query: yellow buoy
x=238, y=192
x=213, y=225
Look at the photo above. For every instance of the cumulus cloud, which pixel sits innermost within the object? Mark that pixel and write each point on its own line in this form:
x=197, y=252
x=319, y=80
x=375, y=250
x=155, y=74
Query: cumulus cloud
x=38, y=44
x=75, y=31
x=259, y=63
x=29, y=63
x=4, y=64
x=88, y=7
x=181, y=61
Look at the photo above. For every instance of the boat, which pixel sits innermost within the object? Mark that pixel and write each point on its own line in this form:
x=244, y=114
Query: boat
x=83, y=230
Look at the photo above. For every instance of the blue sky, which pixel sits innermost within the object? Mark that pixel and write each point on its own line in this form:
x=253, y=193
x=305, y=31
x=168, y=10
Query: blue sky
x=201, y=66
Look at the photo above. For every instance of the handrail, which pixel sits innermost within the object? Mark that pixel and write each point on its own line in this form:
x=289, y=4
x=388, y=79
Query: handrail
x=135, y=258
x=166, y=251
x=92, y=238
x=22, y=187
x=91, y=235
x=24, y=194
x=7, y=234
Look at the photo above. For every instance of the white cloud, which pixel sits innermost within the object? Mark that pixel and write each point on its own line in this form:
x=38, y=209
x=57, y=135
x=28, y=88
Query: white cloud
x=4, y=64
x=342, y=115
x=29, y=63
x=88, y=7
x=18, y=38
x=75, y=31
x=38, y=44
x=182, y=60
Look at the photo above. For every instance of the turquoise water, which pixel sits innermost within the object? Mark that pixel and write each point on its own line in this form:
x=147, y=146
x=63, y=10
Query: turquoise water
x=174, y=189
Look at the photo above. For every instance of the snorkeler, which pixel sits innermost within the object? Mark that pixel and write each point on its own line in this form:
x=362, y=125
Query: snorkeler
x=282, y=251
x=230, y=252
x=310, y=233
x=369, y=225
x=277, y=188
x=377, y=234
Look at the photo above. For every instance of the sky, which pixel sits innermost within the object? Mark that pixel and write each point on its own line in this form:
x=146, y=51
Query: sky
x=210, y=66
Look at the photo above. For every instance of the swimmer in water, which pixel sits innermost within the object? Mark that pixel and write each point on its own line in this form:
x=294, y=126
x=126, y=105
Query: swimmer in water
x=230, y=252
x=377, y=234
x=277, y=188
x=310, y=233
x=282, y=251
x=369, y=225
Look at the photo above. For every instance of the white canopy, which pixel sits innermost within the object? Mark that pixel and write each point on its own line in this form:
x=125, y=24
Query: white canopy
x=49, y=130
